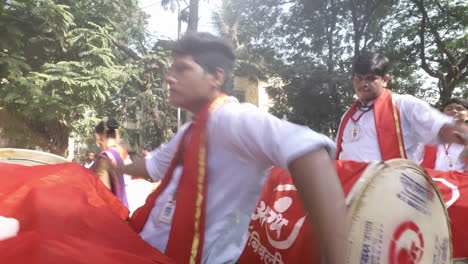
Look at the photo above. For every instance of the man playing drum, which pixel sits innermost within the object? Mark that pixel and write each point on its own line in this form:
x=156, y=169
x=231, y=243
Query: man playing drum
x=382, y=126
x=213, y=170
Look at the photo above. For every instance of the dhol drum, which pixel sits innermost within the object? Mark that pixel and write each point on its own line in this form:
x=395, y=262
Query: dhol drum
x=397, y=216
x=29, y=157
x=395, y=212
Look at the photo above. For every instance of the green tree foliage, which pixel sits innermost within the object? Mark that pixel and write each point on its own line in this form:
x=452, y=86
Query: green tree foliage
x=433, y=34
x=227, y=22
x=310, y=46
x=146, y=107
x=64, y=61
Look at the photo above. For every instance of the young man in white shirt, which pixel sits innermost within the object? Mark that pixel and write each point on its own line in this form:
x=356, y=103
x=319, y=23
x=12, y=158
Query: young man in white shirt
x=381, y=125
x=449, y=156
x=213, y=169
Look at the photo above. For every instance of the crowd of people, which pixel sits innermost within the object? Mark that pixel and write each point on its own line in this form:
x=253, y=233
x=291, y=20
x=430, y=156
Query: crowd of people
x=211, y=173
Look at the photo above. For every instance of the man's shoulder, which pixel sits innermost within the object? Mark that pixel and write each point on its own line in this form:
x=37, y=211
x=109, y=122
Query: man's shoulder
x=404, y=97
x=238, y=110
x=404, y=100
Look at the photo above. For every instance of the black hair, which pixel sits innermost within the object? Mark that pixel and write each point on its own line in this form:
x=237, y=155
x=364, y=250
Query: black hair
x=460, y=101
x=107, y=128
x=207, y=50
x=371, y=62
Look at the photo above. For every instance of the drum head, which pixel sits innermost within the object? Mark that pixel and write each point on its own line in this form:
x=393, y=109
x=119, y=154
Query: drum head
x=397, y=216
x=29, y=157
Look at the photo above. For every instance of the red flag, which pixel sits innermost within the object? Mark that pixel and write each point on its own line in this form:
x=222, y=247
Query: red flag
x=67, y=215
x=279, y=231
x=453, y=186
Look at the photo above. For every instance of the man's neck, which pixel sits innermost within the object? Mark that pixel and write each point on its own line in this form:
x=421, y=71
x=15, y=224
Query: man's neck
x=198, y=107
x=366, y=103
x=370, y=102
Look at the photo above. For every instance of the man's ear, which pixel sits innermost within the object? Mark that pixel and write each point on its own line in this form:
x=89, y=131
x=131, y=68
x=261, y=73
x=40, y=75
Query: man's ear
x=387, y=78
x=219, y=76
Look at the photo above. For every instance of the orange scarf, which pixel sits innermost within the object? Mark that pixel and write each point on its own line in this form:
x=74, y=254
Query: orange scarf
x=185, y=243
x=387, y=124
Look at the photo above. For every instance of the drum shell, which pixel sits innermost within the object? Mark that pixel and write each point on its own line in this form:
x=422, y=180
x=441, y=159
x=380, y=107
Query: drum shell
x=396, y=212
x=29, y=157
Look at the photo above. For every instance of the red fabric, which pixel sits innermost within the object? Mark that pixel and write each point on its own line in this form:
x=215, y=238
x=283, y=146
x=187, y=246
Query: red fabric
x=387, y=131
x=455, y=182
x=349, y=172
x=186, y=230
x=304, y=247
x=301, y=249
x=67, y=215
x=430, y=156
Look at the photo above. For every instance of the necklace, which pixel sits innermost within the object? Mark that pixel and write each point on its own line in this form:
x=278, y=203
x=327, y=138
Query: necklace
x=355, y=131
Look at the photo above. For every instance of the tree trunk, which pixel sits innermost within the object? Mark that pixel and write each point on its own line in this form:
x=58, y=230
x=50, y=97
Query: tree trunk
x=445, y=94
x=192, y=25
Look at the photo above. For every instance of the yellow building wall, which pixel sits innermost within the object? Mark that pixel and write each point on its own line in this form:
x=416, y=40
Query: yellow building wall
x=248, y=87
x=254, y=92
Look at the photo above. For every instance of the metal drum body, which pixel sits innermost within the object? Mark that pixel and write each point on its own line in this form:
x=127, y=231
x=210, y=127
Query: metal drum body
x=397, y=216
x=29, y=157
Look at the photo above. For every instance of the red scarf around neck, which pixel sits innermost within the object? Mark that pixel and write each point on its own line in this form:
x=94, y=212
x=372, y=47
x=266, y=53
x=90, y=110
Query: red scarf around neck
x=186, y=237
x=387, y=124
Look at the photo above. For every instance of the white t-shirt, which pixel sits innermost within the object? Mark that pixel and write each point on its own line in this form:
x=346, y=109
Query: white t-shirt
x=420, y=123
x=243, y=143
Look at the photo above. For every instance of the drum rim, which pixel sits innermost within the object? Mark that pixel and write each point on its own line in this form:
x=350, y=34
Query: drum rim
x=370, y=171
x=43, y=158
x=377, y=167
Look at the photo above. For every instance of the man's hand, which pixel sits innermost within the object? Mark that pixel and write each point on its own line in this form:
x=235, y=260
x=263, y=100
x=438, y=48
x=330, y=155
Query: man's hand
x=454, y=133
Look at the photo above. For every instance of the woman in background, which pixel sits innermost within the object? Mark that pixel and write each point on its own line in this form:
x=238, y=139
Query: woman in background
x=112, y=155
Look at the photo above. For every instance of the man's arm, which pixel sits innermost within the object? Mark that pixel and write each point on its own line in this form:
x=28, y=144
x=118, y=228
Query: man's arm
x=137, y=168
x=454, y=133
x=322, y=195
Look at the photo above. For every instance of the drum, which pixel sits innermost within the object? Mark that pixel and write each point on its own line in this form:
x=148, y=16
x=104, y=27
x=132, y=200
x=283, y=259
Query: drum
x=396, y=216
x=29, y=157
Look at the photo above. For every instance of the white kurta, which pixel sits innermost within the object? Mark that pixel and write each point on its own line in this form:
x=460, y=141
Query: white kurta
x=243, y=142
x=420, y=123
